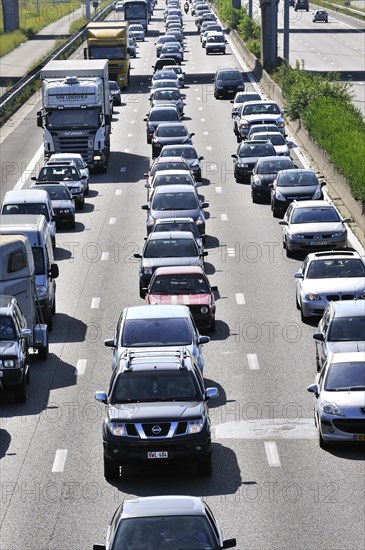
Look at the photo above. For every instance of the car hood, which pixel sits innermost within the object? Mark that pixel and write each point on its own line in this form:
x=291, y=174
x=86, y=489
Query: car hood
x=348, y=401
x=163, y=262
x=155, y=412
x=176, y=213
x=339, y=347
x=179, y=299
x=165, y=102
x=298, y=190
x=336, y=285
x=62, y=204
x=179, y=140
x=318, y=227
x=9, y=348
x=255, y=118
x=247, y=160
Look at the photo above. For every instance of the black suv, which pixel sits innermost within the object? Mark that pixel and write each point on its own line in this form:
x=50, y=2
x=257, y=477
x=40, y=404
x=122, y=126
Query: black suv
x=227, y=82
x=156, y=411
x=14, y=356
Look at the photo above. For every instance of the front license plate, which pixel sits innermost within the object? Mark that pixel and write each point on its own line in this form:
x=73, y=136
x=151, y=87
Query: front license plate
x=318, y=243
x=359, y=437
x=158, y=454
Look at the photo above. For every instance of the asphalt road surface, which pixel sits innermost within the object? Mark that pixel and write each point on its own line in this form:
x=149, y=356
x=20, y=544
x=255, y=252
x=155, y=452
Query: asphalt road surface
x=272, y=487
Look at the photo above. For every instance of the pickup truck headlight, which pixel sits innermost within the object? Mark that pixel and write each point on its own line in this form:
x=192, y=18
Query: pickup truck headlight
x=195, y=426
x=243, y=125
x=242, y=165
x=280, y=124
x=10, y=363
x=117, y=428
x=42, y=292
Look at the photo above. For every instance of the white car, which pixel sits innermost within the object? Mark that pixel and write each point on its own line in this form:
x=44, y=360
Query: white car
x=327, y=276
x=277, y=139
x=80, y=163
x=137, y=31
x=339, y=389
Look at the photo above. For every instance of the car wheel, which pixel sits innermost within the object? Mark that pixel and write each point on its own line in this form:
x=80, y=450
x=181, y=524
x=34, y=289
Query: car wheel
x=20, y=393
x=205, y=467
x=275, y=212
x=43, y=352
x=318, y=363
x=254, y=197
x=50, y=323
x=289, y=252
x=87, y=190
x=212, y=326
x=303, y=317
x=72, y=224
x=82, y=205
x=111, y=469
x=149, y=139
x=297, y=301
x=53, y=242
x=142, y=293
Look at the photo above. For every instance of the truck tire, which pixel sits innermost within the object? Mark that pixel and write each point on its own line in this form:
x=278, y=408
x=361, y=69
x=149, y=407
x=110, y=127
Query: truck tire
x=111, y=469
x=20, y=393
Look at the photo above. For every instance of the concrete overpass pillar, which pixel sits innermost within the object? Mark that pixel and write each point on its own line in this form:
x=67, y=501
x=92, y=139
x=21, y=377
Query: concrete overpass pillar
x=269, y=29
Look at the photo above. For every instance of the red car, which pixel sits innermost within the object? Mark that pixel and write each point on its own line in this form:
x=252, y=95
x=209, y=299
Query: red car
x=187, y=286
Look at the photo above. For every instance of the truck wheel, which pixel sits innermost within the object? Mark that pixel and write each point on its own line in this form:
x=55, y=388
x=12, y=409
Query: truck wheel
x=111, y=469
x=43, y=352
x=205, y=467
x=20, y=393
x=53, y=242
x=82, y=205
x=212, y=326
x=50, y=323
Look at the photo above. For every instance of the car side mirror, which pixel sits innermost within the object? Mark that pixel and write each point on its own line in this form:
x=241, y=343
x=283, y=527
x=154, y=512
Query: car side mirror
x=201, y=158
x=203, y=340
x=54, y=271
x=145, y=120
x=229, y=543
x=147, y=185
x=313, y=389
x=109, y=343
x=298, y=275
x=145, y=207
x=270, y=186
x=347, y=220
x=192, y=134
x=211, y=393
x=283, y=222
x=138, y=256
x=204, y=254
x=33, y=178
x=205, y=205
x=214, y=288
x=323, y=183
x=102, y=547
x=318, y=336
x=101, y=396
x=234, y=156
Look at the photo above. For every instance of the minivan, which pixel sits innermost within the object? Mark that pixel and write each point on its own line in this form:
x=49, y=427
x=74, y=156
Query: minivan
x=46, y=271
x=32, y=202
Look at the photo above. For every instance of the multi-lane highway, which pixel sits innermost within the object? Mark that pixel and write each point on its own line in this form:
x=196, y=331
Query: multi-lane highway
x=272, y=487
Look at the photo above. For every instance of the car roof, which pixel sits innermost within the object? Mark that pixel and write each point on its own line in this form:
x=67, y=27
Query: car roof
x=161, y=235
x=313, y=204
x=47, y=184
x=277, y=158
x=339, y=254
x=169, y=505
x=179, y=269
x=228, y=69
x=157, y=311
x=65, y=156
x=260, y=102
x=26, y=195
x=173, y=123
x=177, y=188
x=348, y=308
x=346, y=357
x=297, y=171
x=174, y=220
x=173, y=173
x=168, y=159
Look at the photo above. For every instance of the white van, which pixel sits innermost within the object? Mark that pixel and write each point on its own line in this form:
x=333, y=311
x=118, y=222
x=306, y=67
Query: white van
x=32, y=202
x=46, y=271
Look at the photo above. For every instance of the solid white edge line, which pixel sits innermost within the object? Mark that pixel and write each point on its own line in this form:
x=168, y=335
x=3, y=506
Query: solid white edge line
x=59, y=461
x=253, y=362
x=272, y=454
x=23, y=178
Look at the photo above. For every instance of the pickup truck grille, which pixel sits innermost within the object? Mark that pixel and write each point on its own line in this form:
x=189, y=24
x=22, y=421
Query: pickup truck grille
x=155, y=430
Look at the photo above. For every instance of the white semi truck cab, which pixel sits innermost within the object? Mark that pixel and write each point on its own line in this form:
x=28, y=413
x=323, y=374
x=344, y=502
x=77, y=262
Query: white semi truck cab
x=75, y=114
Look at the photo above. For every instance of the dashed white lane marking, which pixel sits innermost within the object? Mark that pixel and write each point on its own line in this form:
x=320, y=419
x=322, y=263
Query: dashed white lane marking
x=133, y=121
x=112, y=221
x=196, y=89
x=80, y=367
x=253, y=362
x=209, y=148
x=198, y=98
x=272, y=454
x=240, y=299
x=224, y=217
x=130, y=135
x=104, y=256
x=59, y=461
x=23, y=178
x=118, y=191
x=200, y=108
x=205, y=133
x=135, y=111
x=218, y=190
x=202, y=119
x=231, y=252
x=95, y=302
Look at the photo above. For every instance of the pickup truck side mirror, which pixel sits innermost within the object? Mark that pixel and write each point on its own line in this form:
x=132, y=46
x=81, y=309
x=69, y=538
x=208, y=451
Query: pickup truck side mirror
x=145, y=207
x=137, y=255
x=54, y=271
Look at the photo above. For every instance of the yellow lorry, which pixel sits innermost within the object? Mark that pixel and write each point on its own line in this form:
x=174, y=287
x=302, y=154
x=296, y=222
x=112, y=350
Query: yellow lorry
x=110, y=40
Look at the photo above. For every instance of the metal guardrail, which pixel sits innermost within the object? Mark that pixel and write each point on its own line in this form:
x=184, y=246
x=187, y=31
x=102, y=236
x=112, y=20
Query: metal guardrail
x=13, y=92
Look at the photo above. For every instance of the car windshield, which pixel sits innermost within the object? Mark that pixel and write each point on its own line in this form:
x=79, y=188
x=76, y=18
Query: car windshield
x=186, y=152
x=171, y=131
x=7, y=328
x=170, y=49
x=164, y=39
x=151, y=386
x=273, y=167
x=176, y=226
x=346, y=376
x=261, y=109
x=175, y=201
x=171, y=165
x=297, y=178
x=165, y=75
x=181, y=179
x=163, y=115
x=260, y=150
x=166, y=95
x=165, y=84
x=26, y=208
x=336, y=268
x=170, y=248
x=172, y=331
x=215, y=39
x=229, y=75
x=276, y=139
x=56, y=193
x=58, y=173
x=166, y=532
x=315, y=215
x=180, y=284
x=347, y=329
